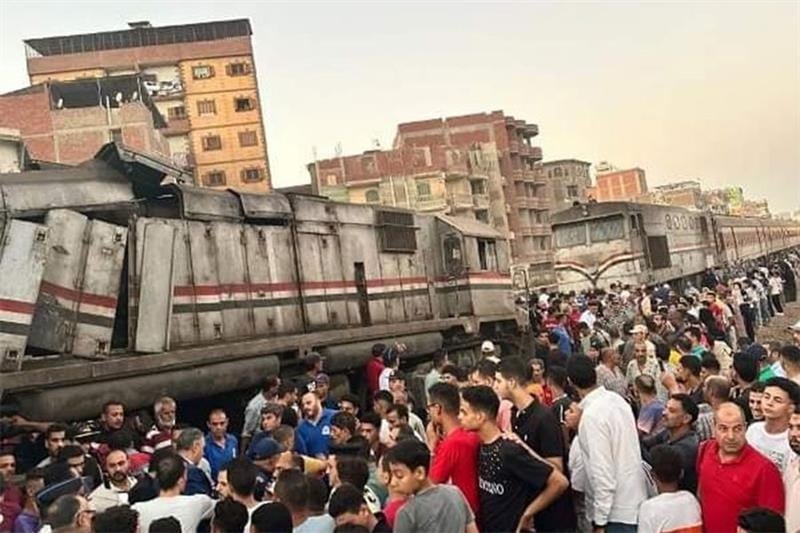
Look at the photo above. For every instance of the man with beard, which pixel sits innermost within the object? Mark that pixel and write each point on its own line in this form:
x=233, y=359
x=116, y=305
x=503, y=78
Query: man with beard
x=315, y=429
x=117, y=484
x=791, y=476
x=160, y=435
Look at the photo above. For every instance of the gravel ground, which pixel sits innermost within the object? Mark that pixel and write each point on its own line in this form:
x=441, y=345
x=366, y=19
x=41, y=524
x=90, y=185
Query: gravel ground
x=776, y=329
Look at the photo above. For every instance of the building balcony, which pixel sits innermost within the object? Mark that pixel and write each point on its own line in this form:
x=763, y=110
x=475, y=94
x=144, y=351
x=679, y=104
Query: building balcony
x=524, y=150
x=532, y=202
x=535, y=153
x=518, y=174
x=176, y=126
x=429, y=203
x=513, y=146
x=531, y=130
x=480, y=201
x=457, y=171
x=535, y=230
x=460, y=201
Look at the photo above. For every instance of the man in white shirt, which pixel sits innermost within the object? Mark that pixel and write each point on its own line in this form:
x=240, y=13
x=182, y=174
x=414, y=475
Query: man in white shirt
x=672, y=509
x=188, y=510
x=589, y=316
x=771, y=437
x=609, y=443
x=115, y=490
x=791, y=476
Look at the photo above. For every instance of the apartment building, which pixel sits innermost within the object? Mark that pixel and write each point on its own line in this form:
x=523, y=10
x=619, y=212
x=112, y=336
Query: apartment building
x=480, y=166
x=201, y=77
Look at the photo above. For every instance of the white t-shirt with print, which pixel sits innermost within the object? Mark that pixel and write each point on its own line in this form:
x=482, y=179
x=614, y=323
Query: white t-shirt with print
x=773, y=446
x=671, y=511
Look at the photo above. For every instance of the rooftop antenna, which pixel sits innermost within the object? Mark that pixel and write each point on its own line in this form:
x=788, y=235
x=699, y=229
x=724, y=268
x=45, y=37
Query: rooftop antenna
x=376, y=143
x=338, y=149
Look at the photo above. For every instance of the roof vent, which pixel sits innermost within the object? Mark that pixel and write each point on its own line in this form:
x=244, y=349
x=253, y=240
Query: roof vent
x=140, y=24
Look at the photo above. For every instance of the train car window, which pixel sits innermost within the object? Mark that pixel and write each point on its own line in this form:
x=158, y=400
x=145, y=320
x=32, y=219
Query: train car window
x=570, y=234
x=397, y=231
x=683, y=221
x=668, y=220
x=607, y=229
x=659, y=251
x=487, y=254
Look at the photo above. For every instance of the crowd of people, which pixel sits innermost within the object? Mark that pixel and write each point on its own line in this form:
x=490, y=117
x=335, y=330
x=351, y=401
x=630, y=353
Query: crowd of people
x=650, y=409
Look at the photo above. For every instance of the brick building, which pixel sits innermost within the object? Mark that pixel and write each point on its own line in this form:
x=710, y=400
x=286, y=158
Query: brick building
x=481, y=166
x=201, y=77
x=619, y=185
x=683, y=194
x=568, y=181
x=67, y=122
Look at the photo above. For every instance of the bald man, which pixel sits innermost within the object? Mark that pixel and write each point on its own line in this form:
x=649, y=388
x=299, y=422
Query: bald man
x=733, y=476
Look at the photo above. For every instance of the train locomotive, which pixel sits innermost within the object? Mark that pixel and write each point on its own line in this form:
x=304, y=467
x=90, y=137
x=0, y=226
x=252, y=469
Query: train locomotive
x=119, y=281
x=597, y=244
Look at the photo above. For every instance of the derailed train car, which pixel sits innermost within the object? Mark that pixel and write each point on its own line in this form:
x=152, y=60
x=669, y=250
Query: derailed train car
x=629, y=243
x=117, y=280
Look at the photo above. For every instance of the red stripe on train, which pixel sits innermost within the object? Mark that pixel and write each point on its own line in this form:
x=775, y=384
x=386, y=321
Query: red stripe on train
x=77, y=296
x=17, y=306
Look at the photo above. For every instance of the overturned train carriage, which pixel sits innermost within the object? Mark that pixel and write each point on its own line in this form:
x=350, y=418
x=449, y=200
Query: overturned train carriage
x=628, y=243
x=117, y=280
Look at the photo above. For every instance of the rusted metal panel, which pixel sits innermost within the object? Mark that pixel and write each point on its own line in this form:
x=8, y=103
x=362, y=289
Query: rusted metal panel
x=78, y=296
x=273, y=284
x=234, y=283
x=207, y=204
x=312, y=276
x=264, y=206
x=197, y=307
x=155, y=288
x=93, y=184
x=23, y=249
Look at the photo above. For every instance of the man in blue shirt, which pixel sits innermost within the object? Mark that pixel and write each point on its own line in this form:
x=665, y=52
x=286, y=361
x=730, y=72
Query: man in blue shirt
x=315, y=429
x=564, y=340
x=220, y=446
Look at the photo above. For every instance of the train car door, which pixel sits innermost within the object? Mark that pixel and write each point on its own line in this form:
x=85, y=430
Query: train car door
x=454, y=286
x=361, y=291
x=80, y=286
x=23, y=249
x=155, y=287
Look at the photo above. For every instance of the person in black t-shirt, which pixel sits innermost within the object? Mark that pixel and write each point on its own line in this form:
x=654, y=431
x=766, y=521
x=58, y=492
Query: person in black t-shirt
x=514, y=485
x=540, y=430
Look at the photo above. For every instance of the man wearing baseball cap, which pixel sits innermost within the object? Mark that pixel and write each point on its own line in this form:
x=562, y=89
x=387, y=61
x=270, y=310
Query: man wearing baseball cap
x=265, y=454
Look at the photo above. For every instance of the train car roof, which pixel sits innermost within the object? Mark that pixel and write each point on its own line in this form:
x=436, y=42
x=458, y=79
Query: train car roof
x=595, y=210
x=471, y=227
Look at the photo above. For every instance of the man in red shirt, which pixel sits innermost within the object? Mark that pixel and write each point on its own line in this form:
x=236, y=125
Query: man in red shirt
x=733, y=476
x=455, y=450
x=374, y=368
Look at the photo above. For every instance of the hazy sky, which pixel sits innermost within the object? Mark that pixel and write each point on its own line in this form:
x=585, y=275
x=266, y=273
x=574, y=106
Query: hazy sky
x=685, y=90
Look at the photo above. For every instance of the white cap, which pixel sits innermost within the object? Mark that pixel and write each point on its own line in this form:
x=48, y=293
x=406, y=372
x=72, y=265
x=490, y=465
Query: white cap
x=487, y=347
x=795, y=327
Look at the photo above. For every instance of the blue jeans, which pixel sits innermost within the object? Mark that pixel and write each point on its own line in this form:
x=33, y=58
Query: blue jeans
x=618, y=527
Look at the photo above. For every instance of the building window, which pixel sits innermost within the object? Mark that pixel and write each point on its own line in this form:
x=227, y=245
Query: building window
x=248, y=138
x=487, y=254
x=237, y=69
x=202, y=72
x=176, y=112
x=372, y=196
x=423, y=189
x=212, y=142
x=215, y=178
x=206, y=107
x=252, y=174
x=557, y=172
x=244, y=104
x=572, y=191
